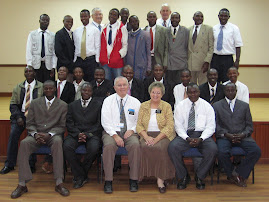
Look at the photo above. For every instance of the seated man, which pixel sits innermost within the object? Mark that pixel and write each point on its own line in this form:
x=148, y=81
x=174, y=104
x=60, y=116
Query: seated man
x=211, y=91
x=242, y=90
x=234, y=128
x=194, y=125
x=180, y=90
x=119, y=117
x=84, y=127
x=45, y=124
x=22, y=96
x=78, y=82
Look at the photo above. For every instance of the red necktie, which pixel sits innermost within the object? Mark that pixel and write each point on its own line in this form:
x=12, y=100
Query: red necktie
x=151, y=36
x=59, y=90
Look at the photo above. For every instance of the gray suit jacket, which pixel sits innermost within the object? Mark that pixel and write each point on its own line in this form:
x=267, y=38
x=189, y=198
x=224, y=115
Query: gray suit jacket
x=40, y=119
x=178, y=49
x=238, y=121
x=202, y=50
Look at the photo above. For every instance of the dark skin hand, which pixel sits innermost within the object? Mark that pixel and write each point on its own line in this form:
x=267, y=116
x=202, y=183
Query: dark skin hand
x=194, y=142
x=235, y=138
x=82, y=137
x=238, y=53
x=205, y=67
x=42, y=138
x=20, y=122
x=52, y=72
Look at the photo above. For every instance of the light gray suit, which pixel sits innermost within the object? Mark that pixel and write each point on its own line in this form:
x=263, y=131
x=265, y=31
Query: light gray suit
x=51, y=121
x=200, y=52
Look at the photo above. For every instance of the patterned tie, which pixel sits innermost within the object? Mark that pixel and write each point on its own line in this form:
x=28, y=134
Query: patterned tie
x=191, y=120
x=164, y=23
x=151, y=36
x=231, y=106
x=212, y=95
x=48, y=105
x=83, y=45
x=27, y=102
x=84, y=103
x=59, y=90
x=110, y=35
x=43, y=45
x=129, y=90
x=194, y=36
x=185, y=93
x=220, y=39
x=122, y=119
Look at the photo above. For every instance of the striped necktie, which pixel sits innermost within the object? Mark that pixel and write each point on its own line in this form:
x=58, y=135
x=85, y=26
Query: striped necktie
x=212, y=95
x=122, y=119
x=220, y=39
x=27, y=102
x=191, y=120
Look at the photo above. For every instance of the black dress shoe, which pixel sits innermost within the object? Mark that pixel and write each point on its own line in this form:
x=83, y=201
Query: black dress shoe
x=6, y=170
x=133, y=185
x=182, y=184
x=80, y=182
x=162, y=190
x=20, y=190
x=199, y=183
x=108, y=187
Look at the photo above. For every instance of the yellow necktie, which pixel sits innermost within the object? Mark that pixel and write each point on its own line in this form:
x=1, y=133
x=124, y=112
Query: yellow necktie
x=83, y=44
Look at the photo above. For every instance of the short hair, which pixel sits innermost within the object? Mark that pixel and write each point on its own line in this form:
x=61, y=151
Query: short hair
x=49, y=82
x=212, y=69
x=157, y=65
x=165, y=5
x=229, y=84
x=193, y=85
x=151, y=12
x=117, y=10
x=133, y=16
x=224, y=10
x=157, y=84
x=232, y=68
x=46, y=15
x=127, y=67
x=85, y=10
x=175, y=13
x=67, y=16
x=186, y=70
x=67, y=70
x=78, y=68
x=96, y=9
x=100, y=68
x=86, y=84
x=121, y=10
x=197, y=13
x=118, y=78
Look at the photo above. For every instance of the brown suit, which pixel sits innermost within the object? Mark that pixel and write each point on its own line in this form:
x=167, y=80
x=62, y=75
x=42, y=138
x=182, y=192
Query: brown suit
x=51, y=121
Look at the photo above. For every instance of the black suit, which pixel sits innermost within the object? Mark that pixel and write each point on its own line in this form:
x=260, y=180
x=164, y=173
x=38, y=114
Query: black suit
x=237, y=122
x=83, y=120
x=64, y=50
x=68, y=94
x=137, y=89
x=102, y=91
x=205, y=94
x=168, y=96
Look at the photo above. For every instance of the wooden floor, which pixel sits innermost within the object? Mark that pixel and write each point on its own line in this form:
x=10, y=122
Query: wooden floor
x=41, y=188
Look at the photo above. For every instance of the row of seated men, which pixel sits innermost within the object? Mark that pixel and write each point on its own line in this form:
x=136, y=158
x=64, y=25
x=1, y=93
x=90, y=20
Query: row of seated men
x=120, y=43
x=163, y=137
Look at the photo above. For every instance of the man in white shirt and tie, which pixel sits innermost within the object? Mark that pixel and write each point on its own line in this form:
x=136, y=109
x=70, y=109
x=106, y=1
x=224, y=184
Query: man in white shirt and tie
x=87, y=46
x=165, y=13
x=194, y=125
x=97, y=17
x=119, y=117
x=227, y=42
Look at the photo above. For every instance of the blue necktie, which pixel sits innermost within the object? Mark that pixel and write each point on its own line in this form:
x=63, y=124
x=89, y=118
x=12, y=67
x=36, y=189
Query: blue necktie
x=220, y=39
x=43, y=45
x=99, y=27
x=110, y=35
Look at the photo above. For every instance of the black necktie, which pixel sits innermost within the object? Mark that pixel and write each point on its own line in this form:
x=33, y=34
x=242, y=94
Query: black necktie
x=194, y=36
x=43, y=45
x=175, y=31
x=110, y=35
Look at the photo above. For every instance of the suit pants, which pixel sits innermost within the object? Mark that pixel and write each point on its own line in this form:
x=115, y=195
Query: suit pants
x=88, y=65
x=80, y=169
x=110, y=148
x=173, y=76
x=246, y=165
x=222, y=63
x=198, y=77
x=28, y=146
x=178, y=146
x=43, y=74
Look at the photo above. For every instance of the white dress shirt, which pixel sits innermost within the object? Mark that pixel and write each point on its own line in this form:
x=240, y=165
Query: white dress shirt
x=214, y=88
x=77, y=85
x=124, y=39
x=93, y=41
x=231, y=103
x=172, y=30
x=61, y=86
x=242, y=91
x=153, y=31
x=204, y=118
x=32, y=86
x=231, y=39
x=179, y=91
x=159, y=81
x=87, y=102
x=160, y=22
x=153, y=124
x=110, y=114
x=198, y=29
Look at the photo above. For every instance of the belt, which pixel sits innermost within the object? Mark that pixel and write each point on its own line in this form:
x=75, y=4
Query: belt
x=88, y=58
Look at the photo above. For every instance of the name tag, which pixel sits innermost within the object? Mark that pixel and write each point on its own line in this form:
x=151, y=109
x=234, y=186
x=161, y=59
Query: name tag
x=158, y=111
x=120, y=125
x=131, y=111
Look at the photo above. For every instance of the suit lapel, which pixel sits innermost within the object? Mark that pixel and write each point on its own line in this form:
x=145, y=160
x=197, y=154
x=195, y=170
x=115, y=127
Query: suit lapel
x=236, y=106
x=190, y=37
x=207, y=92
x=157, y=33
x=200, y=35
x=226, y=106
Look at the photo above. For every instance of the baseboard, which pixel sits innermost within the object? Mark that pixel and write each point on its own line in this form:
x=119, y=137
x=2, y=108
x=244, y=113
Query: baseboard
x=5, y=94
x=259, y=95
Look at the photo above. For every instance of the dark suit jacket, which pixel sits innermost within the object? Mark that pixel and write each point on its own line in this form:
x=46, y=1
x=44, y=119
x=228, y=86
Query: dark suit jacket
x=102, y=91
x=68, y=94
x=64, y=50
x=205, y=94
x=40, y=119
x=238, y=121
x=86, y=120
x=137, y=89
x=168, y=96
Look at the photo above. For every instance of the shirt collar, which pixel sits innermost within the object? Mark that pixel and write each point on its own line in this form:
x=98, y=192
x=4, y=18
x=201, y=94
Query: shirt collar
x=100, y=83
x=160, y=80
x=228, y=101
x=51, y=101
x=87, y=101
x=63, y=82
x=40, y=30
x=68, y=31
x=78, y=84
x=119, y=98
x=32, y=84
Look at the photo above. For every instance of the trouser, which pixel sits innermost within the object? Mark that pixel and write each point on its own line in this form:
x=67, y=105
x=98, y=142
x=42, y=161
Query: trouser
x=112, y=73
x=88, y=65
x=173, y=76
x=43, y=74
x=198, y=77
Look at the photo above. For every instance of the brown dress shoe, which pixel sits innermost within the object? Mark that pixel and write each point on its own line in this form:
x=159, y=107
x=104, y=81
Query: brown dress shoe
x=47, y=167
x=238, y=180
x=20, y=190
x=62, y=190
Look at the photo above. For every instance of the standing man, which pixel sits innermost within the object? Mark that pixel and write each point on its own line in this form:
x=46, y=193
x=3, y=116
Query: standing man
x=158, y=49
x=40, y=52
x=227, y=42
x=45, y=124
x=97, y=17
x=139, y=46
x=124, y=15
x=194, y=125
x=201, y=46
x=178, y=38
x=114, y=44
x=64, y=47
x=165, y=13
x=22, y=96
x=234, y=128
x=83, y=124
x=119, y=117
x=87, y=46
